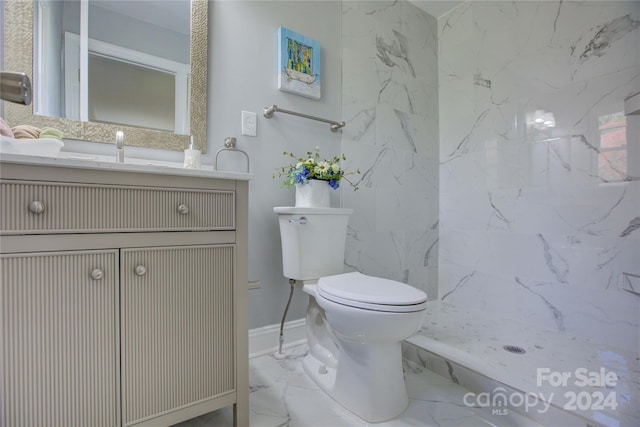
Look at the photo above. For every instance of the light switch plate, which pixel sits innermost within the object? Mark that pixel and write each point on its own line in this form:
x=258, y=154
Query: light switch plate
x=249, y=123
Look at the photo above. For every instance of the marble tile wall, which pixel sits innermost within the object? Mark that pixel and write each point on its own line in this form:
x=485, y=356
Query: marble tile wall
x=540, y=223
x=390, y=102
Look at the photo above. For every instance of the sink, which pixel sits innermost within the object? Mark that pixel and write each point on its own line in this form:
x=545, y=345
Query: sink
x=48, y=147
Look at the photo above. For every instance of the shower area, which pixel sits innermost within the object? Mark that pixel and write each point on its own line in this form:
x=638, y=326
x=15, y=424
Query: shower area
x=540, y=204
x=500, y=145
x=540, y=164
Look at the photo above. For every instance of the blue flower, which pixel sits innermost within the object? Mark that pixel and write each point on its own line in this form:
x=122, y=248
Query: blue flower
x=311, y=167
x=299, y=175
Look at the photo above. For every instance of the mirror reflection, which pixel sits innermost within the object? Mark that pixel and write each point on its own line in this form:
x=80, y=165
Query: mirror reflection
x=112, y=65
x=136, y=62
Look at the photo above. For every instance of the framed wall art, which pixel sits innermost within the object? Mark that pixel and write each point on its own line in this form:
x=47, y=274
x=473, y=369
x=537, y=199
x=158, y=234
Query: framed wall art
x=298, y=64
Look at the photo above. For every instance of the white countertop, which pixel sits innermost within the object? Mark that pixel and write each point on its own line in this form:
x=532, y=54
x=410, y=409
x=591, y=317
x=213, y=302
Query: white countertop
x=90, y=161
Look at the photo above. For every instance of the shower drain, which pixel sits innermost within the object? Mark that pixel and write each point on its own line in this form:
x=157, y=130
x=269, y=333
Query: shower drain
x=514, y=349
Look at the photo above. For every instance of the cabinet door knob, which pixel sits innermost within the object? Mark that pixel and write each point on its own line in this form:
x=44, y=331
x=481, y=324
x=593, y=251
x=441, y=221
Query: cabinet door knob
x=36, y=207
x=141, y=270
x=183, y=209
x=97, y=274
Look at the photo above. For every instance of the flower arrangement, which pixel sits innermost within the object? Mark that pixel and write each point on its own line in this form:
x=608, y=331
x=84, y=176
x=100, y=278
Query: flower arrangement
x=311, y=167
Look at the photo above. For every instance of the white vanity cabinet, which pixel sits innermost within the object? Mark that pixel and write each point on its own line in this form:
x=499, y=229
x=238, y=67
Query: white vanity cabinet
x=123, y=296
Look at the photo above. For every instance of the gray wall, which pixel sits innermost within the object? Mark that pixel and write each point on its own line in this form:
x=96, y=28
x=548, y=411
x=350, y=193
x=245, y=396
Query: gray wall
x=380, y=76
x=243, y=76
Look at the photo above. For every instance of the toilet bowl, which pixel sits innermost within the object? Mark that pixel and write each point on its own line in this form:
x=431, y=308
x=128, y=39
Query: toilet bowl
x=355, y=323
x=367, y=378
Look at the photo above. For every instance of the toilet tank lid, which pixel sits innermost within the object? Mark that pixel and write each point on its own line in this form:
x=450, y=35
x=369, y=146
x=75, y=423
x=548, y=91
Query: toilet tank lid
x=291, y=210
x=373, y=290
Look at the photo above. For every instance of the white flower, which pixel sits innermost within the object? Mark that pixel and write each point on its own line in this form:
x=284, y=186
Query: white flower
x=321, y=168
x=310, y=167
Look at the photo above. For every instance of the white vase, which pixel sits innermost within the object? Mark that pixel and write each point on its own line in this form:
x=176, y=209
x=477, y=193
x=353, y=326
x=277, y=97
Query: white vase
x=313, y=194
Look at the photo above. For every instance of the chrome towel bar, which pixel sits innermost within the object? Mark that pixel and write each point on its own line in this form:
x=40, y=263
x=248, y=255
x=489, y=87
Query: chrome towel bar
x=268, y=113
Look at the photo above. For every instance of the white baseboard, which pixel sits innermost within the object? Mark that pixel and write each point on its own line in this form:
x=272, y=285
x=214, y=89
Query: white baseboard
x=265, y=340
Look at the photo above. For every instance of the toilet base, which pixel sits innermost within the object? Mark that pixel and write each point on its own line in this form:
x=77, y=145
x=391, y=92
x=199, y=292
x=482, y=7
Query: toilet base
x=371, y=384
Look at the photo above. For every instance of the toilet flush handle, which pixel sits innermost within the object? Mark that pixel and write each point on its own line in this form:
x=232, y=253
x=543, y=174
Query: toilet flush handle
x=302, y=220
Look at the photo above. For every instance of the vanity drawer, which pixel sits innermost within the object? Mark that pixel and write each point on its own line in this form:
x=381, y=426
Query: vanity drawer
x=32, y=207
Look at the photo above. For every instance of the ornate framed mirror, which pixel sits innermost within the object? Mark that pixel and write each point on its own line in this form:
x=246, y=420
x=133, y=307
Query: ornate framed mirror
x=20, y=40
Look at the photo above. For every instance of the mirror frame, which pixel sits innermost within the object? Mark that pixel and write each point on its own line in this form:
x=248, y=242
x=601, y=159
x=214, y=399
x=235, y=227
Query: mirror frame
x=18, y=56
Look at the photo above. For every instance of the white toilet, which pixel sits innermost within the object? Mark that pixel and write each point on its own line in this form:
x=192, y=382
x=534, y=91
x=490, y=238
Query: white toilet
x=355, y=323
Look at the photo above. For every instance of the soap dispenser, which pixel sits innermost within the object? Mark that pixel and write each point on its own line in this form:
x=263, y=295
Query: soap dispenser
x=192, y=156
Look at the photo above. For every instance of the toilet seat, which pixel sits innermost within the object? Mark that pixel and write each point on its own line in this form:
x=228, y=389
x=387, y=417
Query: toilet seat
x=371, y=293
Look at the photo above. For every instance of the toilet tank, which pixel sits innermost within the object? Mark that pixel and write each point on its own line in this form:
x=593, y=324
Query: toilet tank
x=313, y=241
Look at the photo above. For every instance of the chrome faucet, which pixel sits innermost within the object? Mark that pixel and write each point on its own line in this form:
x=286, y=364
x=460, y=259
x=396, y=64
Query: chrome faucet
x=119, y=147
x=15, y=87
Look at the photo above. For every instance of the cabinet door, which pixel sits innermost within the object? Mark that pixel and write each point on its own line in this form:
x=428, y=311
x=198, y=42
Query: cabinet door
x=59, y=353
x=177, y=329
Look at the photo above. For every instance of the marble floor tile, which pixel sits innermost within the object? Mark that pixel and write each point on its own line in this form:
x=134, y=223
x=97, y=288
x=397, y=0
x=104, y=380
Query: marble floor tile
x=281, y=394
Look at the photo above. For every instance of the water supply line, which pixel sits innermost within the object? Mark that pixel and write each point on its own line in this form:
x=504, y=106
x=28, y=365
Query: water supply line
x=292, y=283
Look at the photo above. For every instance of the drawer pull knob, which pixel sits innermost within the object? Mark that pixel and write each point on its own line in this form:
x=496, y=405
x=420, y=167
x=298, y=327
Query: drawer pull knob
x=183, y=209
x=97, y=274
x=36, y=207
x=141, y=270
